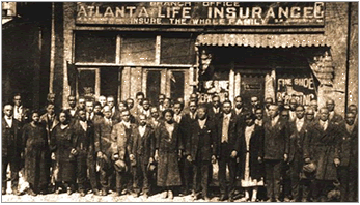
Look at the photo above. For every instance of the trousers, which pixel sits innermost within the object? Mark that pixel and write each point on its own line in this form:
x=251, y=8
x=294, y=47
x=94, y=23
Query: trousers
x=273, y=175
x=226, y=161
x=201, y=170
x=348, y=184
x=14, y=162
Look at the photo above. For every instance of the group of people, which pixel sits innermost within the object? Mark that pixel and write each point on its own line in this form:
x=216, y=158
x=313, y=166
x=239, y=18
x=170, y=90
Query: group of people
x=285, y=152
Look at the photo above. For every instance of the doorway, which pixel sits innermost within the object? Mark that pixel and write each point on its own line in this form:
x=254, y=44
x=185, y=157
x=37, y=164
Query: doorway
x=252, y=84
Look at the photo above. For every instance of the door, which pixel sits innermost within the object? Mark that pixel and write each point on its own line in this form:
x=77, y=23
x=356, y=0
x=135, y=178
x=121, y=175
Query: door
x=177, y=84
x=252, y=84
x=110, y=81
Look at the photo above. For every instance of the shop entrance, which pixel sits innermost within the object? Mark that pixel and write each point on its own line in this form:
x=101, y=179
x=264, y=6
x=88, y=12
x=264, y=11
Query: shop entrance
x=252, y=84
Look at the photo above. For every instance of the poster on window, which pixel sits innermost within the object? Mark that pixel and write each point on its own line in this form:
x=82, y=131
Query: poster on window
x=299, y=85
x=212, y=87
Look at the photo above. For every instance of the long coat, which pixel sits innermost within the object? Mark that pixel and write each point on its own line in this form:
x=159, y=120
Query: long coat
x=11, y=141
x=186, y=126
x=48, y=125
x=168, y=171
x=276, y=140
x=84, y=139
x=233, y=133
x=203, y=141
x=322, y=146
x=296, y=141
x=62, y=142
x=255, y=151
x=348, y=148
x=121, y=138
x=37, y=155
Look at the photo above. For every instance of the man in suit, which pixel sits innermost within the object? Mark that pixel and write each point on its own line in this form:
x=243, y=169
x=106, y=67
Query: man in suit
x=292, y=109
x=268, y=101
x=11, y=149
x=275, y=150
x=102, y=100
x=81, y=103
x=84, y=139
x=145, y=107
x=228, y=147
x=142, y=151
x=121, y=137
x=313, y=105
x=102, y=145
x=348, y=154
x=353, y=109
x=322, y=148
x=259, y=118
x=215, y=109
x=186, y=125
x=73, y=111
x=18, y=111
x=115, y=114
x=161, y=101
x=297, y=131
x=309, y=116
x=49, y=119
x=334, y=117
x=89, y=107
x=239, y=109
x=202, y=151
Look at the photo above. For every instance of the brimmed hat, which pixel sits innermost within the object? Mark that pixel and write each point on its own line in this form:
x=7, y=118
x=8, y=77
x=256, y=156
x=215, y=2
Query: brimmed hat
x=120, y=166
x=309, y=168
x=152, y=167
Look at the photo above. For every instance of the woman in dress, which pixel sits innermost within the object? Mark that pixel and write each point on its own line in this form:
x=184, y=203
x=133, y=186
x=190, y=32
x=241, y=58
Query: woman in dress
x=62, y=146
x=250, y=156
x=168, y=149
x=37, y=155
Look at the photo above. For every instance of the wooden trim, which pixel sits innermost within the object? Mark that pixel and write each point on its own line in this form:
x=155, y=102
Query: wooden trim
x=137, y=65
x=119, y=85
x=158, y=50
x=117, y=51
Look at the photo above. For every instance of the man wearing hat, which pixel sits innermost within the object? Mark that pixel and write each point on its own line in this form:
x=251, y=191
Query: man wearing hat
x=102, y=100
x=142, y=152
x=322, y=147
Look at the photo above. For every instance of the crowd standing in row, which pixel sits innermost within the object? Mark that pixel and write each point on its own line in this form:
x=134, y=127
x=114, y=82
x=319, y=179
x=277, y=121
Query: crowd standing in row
x=285, y=151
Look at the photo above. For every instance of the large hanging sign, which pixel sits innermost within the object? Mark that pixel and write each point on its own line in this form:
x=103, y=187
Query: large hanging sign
x=300, y=86
x=202, y=13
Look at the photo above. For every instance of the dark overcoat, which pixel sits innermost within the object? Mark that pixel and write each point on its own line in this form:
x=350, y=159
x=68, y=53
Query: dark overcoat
x=143, y=146
x=348, y=149
x=322, y=146
x=276, y=140
x=37, y=154
x=102, y=136
x=233, y=133
x=11, y=141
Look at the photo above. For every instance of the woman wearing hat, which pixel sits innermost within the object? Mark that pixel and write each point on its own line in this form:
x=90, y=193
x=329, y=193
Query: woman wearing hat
x=251, y=154
x=168, y=147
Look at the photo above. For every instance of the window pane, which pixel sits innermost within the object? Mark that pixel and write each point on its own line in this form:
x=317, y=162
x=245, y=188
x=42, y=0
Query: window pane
x=86, y=82
x=95, y=47
x=153, y=81
x=177, y=49
x=177, y=83
x=109, y=81
x=137, y=49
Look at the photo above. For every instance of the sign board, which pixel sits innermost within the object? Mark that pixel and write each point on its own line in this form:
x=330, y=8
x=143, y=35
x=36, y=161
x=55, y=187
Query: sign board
x=300, y=87
x=202, y=13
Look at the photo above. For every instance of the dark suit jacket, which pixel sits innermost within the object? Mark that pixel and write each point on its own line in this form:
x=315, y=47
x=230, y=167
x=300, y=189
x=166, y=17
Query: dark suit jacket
x=276, y=140
x=84, y=140
x=143, y=146
x=348, y=148
x=166, y=144
x=11, y=140
x=102, y=136
x=202, y=140
x=233, y=133
x=186, y=126
x=212, y=114
x=296, y=140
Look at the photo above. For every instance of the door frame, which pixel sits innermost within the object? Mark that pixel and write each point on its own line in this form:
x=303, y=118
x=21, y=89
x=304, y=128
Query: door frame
x=97, y=88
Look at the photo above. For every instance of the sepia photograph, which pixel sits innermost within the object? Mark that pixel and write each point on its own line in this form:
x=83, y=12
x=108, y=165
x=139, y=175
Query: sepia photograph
x=179, y=101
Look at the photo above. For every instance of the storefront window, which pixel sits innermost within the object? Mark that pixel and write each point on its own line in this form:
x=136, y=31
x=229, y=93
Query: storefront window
x=137, y=49
x=87, y=83
x=177, y=49
x=297, y=84
x=177, y=83
x=95, y=47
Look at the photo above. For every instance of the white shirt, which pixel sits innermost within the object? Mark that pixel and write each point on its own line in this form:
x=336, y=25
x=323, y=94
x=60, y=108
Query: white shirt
x=192, y=116
x=292, y=115
x=202, y=123
x=324, y=124
x=248, y=131
x=299, y=123
x=72, y=112
x=126, y=124
x=17, y=113
x=216, y=110
x=83, y=124
x=146, y=112
x=8, y=121
x=225, y=127
x=142, y=130
x=178, y=117
x=112, y=111
x=274, y=120
x=238, y=111
x=258, y=122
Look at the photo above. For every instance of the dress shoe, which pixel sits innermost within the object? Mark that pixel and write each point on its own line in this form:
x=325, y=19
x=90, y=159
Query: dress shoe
x=104, y=192
x=96, y=192
x=164, y=195
x=231, y=199
x=57, y=191
x=222, y=197
x=145, y=196
x=170, y=195
x=69, y=191
x=124, y=192
x=207, y=199
x=3, y=191
x=82, y=192
x=136, y=195
x=31, y=192
x=15, y=191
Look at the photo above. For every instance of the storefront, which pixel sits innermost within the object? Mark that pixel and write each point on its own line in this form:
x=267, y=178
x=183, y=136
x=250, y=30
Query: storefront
x=176, y=48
